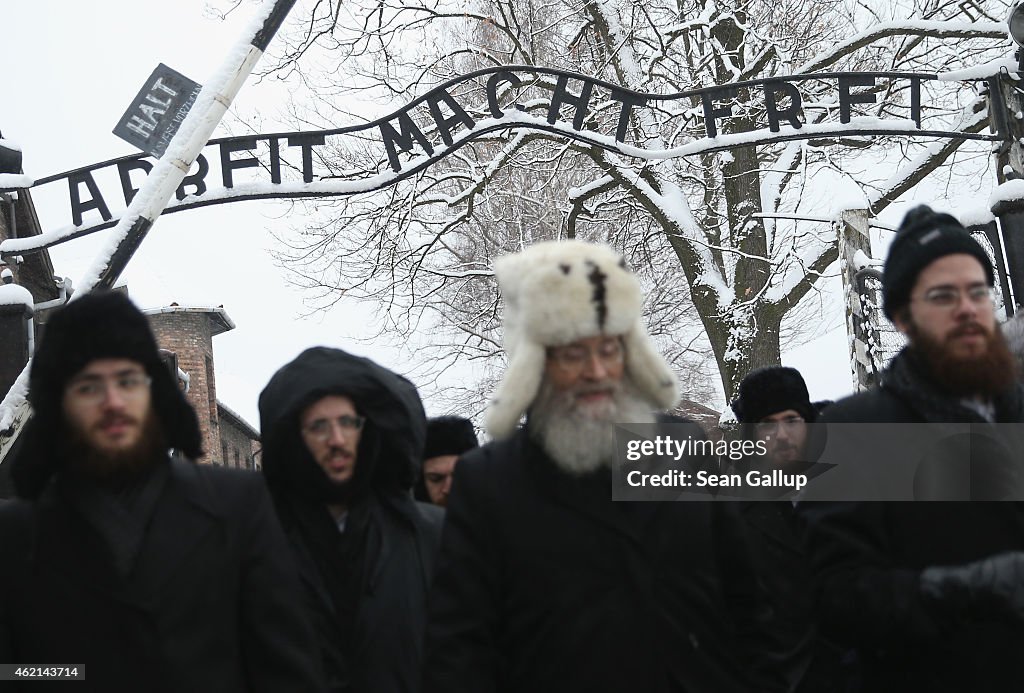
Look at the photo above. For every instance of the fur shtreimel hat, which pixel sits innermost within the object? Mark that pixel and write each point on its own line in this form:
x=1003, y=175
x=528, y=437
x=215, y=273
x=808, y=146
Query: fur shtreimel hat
x=557, y=292
x=449, y=435
x=923, y=237
x=767, y=391
x=102, y=325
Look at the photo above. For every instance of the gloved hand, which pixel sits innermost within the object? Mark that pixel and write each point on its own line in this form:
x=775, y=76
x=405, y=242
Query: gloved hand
x=990, y=588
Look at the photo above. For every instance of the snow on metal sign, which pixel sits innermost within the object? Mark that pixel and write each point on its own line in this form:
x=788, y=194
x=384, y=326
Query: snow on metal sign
x=300, y=164
x=158, y=111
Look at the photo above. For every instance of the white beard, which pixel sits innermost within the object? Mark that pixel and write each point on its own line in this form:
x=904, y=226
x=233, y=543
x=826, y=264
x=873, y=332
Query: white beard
x=580, y=438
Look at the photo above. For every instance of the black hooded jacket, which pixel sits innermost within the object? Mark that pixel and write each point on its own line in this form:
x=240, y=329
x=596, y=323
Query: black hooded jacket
x=365, y=587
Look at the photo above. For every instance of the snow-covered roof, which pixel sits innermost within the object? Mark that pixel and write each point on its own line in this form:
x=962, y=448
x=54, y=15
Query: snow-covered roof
x=218, y=316
x=225, y=411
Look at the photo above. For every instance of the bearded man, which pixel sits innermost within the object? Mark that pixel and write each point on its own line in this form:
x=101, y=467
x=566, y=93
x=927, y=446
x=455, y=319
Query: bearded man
x=930, y=592
x=145, y=572
x=543, y=582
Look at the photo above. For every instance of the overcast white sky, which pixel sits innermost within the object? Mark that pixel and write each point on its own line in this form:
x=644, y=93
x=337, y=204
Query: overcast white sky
x=69, y=71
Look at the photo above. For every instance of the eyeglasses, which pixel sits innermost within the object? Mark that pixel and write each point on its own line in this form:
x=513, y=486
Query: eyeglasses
x=573, y=358
x=321, y=429
x=770, y=428
x=93, y=389
x=948, y=297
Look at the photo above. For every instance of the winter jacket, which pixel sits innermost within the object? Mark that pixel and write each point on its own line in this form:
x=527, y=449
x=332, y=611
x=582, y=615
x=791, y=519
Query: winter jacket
x=869, y=557
x=370, y=627
x=211, y=605
x=544, y=583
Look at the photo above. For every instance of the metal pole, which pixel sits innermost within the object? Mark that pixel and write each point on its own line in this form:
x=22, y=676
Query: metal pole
x=1005, y=107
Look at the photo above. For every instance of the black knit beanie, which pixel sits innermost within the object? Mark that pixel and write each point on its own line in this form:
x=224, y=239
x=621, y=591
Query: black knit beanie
x=768, y=391
x=96, y=326
x=923, y=237
x=449, y=435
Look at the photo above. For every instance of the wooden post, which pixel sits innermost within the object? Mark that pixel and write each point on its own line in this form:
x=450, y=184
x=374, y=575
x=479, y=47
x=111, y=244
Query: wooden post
x=855, y=251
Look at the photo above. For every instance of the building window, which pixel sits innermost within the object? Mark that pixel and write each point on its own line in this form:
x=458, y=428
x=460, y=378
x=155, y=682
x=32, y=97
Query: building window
x=224, y=454
x=238, y=458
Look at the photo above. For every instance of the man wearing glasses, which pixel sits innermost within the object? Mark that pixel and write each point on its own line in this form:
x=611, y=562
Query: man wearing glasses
x=930, y=592
x=544, y=582
x=342, y=445
x=135, y=569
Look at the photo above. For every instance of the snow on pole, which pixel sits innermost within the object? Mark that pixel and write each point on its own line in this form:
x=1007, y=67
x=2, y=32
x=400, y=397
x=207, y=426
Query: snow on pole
x=211, y=104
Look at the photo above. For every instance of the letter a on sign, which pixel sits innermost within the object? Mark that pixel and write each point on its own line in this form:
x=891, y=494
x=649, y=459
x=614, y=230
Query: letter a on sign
x=157, y=111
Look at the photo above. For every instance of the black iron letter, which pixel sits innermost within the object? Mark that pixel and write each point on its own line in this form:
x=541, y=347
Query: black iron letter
x=403, y=140
x=846, y=99
x=492, y=90
x=196, y=180
x=124, y=169
x=771, y=92
x=915, y=100
x=561, y=95
x=629, y=100
x=444, y=125
x=228, y=165
x=275, y=160
x=95, y=200
x=711, y=113
x=307, y=142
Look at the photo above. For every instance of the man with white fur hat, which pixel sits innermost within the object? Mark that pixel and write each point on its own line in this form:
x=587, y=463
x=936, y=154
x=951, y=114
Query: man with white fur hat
x=545, y=583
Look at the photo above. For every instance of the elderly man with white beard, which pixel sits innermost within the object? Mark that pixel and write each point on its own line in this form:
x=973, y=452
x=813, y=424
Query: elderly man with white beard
x=543, y=581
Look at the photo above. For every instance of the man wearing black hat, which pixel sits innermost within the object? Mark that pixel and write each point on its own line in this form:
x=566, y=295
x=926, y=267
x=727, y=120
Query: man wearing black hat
x=773, y=406
x=930, y=592
x=148, y=572
x=447, y=438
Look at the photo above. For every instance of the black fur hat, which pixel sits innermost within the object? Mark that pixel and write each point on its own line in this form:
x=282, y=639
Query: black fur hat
x=923, y=237
x=767, y=391
x=95, y=326
x=449, y=435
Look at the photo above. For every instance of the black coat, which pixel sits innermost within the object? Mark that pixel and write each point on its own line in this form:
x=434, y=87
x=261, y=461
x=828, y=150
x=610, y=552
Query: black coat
x=545, y=584
x=212, y=603
x=370, y=628
x=869, y=557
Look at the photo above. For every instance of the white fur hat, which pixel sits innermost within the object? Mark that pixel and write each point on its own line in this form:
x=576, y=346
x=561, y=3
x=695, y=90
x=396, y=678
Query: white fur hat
x=557, y=292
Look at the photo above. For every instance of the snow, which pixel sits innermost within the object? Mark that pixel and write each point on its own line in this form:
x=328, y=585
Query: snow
x=982, y=71
x=976, y=215
x=862, y=260
x=13, y=294
x=1009, y=191
x=10, y=181
x=9, y=144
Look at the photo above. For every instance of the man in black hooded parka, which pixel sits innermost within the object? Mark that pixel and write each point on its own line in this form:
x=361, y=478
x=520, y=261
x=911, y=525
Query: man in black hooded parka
x=342, y=442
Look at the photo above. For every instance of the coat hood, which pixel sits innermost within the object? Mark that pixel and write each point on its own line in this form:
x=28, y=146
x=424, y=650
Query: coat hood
x=391, y=446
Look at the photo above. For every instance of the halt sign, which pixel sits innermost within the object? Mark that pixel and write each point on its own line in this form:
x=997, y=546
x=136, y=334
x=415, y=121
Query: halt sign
x=158, y=111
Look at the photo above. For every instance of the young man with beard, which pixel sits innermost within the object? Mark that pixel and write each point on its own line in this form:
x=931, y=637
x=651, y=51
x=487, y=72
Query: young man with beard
x=543, y=582
x=342, y=445
x=147, y=571
x=930, y=592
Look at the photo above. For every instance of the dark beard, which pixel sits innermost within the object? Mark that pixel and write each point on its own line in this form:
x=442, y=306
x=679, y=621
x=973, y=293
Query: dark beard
x=120, y=469
x=986, y=375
